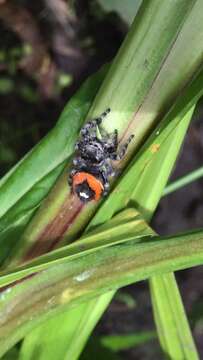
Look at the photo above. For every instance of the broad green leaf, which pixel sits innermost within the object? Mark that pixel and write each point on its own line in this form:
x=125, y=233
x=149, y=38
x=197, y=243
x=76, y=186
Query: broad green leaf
x=176, y=125
x=170, y=133
x=135, y=100
x=113, y=232
x=164, y=54
x=61, y=286
x=13, y=223
x=59, y=335
x=12, y=354
x=26, y=185
x=176, y=339
x=173, y=329
x=147, y=174
x=156, y=193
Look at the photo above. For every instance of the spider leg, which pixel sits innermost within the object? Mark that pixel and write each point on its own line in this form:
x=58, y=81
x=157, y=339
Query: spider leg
x=71, y=174
x=122, y=151
x=107, y=172
x=106, y=137
x=79, y=164
x=115, y=138
x=89, y=130
x=106, y=186
x=104, y=134
x=102, y=116
x=77, y=145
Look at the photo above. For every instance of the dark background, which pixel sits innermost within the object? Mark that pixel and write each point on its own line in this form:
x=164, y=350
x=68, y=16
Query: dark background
x=47, y=49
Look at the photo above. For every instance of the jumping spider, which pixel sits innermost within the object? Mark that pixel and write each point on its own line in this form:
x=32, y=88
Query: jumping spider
x=92, y=165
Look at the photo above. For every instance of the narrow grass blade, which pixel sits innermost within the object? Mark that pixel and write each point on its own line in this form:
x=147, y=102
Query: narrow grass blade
x=183, y=181
x=171, y=320
x=127, y=341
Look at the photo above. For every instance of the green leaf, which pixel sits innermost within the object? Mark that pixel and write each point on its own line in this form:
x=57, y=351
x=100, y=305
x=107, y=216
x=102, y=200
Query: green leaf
x=126, y=9
x=135, y=104
x=170, y=136
x=123, y=342
x=171, y=320
x=127, y=225
x=126, y=299
x=142, y=95
x=150, y=171
x=59, y=335
x=97, y=346
x=12, y=354
x=95, y=350
x=183, y=181
x=26, y=185
x=147, y=172
x=73, y=281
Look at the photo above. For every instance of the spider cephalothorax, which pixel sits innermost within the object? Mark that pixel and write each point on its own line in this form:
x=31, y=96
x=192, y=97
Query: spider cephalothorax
x=92, y=165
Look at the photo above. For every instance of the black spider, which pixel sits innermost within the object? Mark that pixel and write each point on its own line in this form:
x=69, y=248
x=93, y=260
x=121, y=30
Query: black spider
x=92, y=165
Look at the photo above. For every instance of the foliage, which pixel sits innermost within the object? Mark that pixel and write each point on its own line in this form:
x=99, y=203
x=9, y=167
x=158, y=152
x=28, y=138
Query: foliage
x=118, y=248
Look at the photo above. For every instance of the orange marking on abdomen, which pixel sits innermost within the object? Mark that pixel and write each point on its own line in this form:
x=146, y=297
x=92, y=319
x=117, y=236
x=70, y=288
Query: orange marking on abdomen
x=94, y=184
